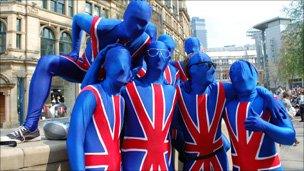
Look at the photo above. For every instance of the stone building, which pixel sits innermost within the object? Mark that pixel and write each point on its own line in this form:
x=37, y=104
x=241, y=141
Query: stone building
x=225, y=56
x=30, y=29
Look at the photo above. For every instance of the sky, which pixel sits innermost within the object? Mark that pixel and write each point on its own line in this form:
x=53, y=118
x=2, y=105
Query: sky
x=228, y=21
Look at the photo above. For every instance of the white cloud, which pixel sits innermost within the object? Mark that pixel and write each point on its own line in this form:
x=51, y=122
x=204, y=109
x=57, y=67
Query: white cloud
x=228, y=21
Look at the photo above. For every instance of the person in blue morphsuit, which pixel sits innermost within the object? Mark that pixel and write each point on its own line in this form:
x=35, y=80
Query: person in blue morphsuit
x=192, y=45
x=148, y=116
x=140, y=70
x=197, y=120
x=201, y=102
x=94, y=134
x=73, y=67
x=252, y=129
x=171, y=73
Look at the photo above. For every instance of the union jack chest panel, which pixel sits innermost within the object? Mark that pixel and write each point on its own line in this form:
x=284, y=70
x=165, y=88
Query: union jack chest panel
x=147, y=121
x=201, y=115
x=102, y=143
x=250, y=150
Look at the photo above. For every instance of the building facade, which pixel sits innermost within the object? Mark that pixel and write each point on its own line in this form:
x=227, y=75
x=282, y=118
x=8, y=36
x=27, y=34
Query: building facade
x=198, y=28
x=30, y=29
x=268, y=39
x=225, y=56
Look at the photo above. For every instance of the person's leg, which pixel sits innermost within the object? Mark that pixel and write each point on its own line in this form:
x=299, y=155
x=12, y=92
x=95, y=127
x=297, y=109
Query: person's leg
x=301, y=111
x=47, y=67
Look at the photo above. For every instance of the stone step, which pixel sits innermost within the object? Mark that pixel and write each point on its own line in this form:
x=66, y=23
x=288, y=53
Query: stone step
x=39, y=155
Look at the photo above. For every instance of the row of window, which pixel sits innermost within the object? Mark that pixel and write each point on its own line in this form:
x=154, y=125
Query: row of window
x=96, y=10
x=58, y=6
x=47, y=40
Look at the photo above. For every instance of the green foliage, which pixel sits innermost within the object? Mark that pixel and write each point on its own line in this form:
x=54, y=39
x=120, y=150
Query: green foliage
x=292, y=52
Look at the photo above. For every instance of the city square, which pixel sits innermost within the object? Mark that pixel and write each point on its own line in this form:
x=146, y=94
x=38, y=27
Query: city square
x=34, y=86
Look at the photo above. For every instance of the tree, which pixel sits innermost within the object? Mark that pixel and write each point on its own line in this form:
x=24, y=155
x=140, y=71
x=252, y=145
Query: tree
x=292, y=51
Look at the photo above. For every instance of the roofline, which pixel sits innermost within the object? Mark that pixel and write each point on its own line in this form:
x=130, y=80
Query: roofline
x=263, y=25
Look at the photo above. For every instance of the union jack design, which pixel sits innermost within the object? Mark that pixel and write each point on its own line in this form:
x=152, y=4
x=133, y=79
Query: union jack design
x=182, y=75
x=110, y=159
x=94, y=36
x=82, y=63
x=170, y=75
x=203, y=133
x=141, y=72
x=156, y=129
x=247, y=145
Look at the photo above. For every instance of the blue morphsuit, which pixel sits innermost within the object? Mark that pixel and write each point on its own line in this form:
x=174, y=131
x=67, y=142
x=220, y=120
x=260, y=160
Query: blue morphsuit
x=140, y=67
x=73, y=67
x=151, y=30
x=200, y=105
x=252, y=129
x=148, y=116
x=191, y=45
x=98, y=112
x=171, y=72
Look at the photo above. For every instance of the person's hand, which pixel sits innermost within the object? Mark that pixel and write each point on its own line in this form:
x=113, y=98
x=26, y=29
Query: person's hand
x=276, y=108
x=74, y=54
x=254, y=122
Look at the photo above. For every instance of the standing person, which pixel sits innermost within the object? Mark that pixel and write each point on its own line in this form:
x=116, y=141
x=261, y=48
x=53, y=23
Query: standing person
x=291, y=111
x=301, y=105
x=149, y=112
x=253, y=131
x=199, y=115
x=94, y=135
x=73, y=67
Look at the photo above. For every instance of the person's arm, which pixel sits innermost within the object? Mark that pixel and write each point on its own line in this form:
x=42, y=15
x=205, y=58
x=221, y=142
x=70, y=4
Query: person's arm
x=280, y=130
x=81, y=21
x=81, y=116
x=93, y=72
x=274, y=105
x=229, y=91
x=177, y=141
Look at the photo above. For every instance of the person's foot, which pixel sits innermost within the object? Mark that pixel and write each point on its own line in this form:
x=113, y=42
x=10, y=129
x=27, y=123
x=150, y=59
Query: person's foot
x=22, y=134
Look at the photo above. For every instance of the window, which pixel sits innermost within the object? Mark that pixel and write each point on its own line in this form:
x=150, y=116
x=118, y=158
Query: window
x=65, y=44
x=70, y=8
x=18, y=24
x=88, y=8
x=57, y=6
x=47, y=42
x=97, y=10
x=18, y=41
x=44, y=4
x=2, y=36
x=104, y=13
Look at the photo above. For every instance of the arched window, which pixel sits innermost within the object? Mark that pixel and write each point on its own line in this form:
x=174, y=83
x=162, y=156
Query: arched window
x=65, y=44
x=2, y=36
x=47, y=42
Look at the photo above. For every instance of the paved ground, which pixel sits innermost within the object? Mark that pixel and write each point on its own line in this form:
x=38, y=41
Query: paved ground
x=292, y=156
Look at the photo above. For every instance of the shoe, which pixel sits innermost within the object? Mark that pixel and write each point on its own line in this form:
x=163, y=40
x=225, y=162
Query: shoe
x=301, y=121
x=22, y=134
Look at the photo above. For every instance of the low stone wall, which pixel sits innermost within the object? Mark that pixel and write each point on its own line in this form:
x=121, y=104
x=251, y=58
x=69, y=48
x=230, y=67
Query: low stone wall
x=40, y=155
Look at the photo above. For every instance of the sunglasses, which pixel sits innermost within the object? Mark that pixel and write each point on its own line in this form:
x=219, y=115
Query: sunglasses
x=153, y=52
x=206, y=63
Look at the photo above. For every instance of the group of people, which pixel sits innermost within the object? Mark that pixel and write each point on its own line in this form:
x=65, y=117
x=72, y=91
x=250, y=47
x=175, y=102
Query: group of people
x=137, y=103
x=293, y=100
